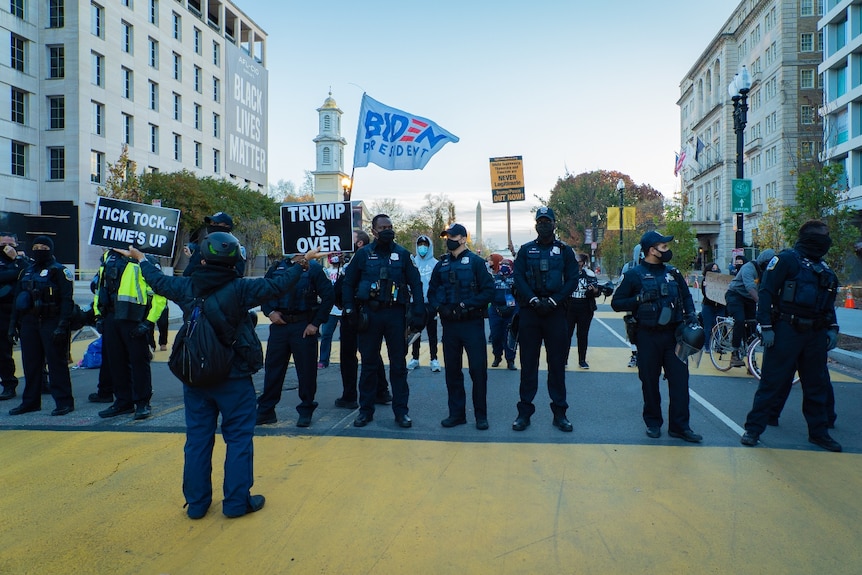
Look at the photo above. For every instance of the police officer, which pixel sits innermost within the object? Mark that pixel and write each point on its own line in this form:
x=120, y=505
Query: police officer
x=126, y=312
x=796, y=313
x=546, y=272
x=232, y=399
x=378, y=286
x=218, y=222
x=500, y=313
x=659, y=297
x=296, y=318
x=460, y=289
x=43, y=309
x=12, y=263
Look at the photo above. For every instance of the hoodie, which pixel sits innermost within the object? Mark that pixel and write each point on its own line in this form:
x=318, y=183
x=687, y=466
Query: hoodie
x=425, y=263
x=745, y=281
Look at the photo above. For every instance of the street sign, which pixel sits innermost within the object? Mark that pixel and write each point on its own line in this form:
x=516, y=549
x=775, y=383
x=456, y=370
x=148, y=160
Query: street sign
x=588, y=236
x=507, y=179
x=741, y=196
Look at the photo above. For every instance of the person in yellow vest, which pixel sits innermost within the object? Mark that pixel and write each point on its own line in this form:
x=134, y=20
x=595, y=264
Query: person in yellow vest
x=126, y=312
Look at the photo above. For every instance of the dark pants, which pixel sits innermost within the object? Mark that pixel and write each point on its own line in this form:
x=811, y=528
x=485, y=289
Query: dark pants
x=128, y=361
x=326, y=331
x=105, y=387
x=498, y=326
x=656, y=352
x=386, y=324
x=234, y=400
x=458, y=337
x=350, y=365
x=579, y=316
x=533, y=330
x=710, y=313
x=37, y=349
x=431, y=331
x=7, y=363
x=162, y=324
x=740, y=308
x=286, y=341
x=782, y=396
x=805, y=352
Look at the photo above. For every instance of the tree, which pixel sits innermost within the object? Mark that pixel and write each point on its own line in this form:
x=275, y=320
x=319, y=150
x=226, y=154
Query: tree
x=819, y=195
x=306, y=190
x=256, y=235
x=684, y=236
x=769, y=232
x=122, y=182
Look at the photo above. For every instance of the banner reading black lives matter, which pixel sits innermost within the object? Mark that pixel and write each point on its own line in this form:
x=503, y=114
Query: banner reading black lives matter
x=325, y=227
x=120, y=224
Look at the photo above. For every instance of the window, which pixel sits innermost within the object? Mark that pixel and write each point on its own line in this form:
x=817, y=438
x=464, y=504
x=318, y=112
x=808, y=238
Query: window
x=56, y=13
x=771, y=89
x=198, y=113
x=154, y=53
x=19, y=158
x=198, y=41
x=178, y=67
x=216, y=161
x=17, y=8
x=19, y=48
x=128, y=83
x=327, y=155
x=154, y=96
x=216, y=125
x=198, y=79
x=820, y=41
x=178, y=107
x=216, y=90
x=127, y=3
x=56, y=62
x=806, y=8
x=806, y=78
x=177, y=22
x=126, y=39
x=98, y=72
x=771, y=122
x=154, y=12
x=154, y=138
x=98, y=118
x=56, y=163
x=806, y=42
x=771, y=157
x=198, y=153
x=19, y=106
x=128, y=129
x=97, y=20
x=97, y=160
x=178, y=148
x=807, y=115
x=56, y=112
x=808, y=149
x=216, y=53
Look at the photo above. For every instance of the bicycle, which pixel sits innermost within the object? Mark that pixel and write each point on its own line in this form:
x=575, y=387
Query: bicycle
x=721, y=346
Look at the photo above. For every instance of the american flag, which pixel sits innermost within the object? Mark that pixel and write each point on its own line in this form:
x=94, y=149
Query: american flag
x=680, y=162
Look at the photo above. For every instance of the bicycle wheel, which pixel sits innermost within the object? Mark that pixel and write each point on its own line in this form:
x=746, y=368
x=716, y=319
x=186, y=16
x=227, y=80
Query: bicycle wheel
x=721, y=347
x=755, y=360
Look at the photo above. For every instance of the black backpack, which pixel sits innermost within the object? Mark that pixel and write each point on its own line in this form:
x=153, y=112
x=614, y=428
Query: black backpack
x=203, y=351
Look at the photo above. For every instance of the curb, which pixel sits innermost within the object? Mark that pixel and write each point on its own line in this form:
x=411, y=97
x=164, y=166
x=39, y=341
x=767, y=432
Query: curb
x=848, y=358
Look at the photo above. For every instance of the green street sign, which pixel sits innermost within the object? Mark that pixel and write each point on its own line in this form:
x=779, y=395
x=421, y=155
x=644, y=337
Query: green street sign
x=741, y=196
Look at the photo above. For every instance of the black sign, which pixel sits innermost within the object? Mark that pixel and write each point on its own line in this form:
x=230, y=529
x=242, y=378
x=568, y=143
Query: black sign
x=325, y=227
x=120, y=224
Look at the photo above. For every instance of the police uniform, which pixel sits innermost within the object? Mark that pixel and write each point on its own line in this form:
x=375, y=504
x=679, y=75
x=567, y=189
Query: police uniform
x=580, y=307
x=660, y=300
x=460, y=290
x=797, y=301
x=43, y=309
x=309, y=302
x=126, y=311
x=500, y=314
x=10, y=269
x=378, y=286
x=546, y=272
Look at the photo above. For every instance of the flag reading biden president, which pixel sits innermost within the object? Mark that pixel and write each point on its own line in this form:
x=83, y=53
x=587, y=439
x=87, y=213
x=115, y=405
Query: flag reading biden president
x=396, y=140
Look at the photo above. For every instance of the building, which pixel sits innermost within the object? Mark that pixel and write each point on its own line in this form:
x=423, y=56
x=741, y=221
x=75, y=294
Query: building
x=329, y=172
x=779, y=43
x=181, y=84
x=841, y=71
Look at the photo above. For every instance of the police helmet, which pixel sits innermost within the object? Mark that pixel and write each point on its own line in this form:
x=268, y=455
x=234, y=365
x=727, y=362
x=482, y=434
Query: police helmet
x=221, y=248
x=689, y=342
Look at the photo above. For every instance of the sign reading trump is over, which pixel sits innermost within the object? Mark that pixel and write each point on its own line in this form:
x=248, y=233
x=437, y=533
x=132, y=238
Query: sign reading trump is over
x=325, y=227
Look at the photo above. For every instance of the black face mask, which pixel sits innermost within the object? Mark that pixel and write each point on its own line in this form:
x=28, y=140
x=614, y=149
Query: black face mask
x=814, y=245
x=452, y=245
x=665, y=256
x=42, y=256
x=545, y=230
x=386, y=236
x=211, y=229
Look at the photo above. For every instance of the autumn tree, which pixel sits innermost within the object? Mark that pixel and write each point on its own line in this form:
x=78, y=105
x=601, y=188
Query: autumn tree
x=678, y=224
x=769, y=232
x=122, y=181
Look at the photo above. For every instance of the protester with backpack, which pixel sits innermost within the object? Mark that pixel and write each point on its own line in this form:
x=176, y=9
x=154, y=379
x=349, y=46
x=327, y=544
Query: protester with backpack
x=215, y=287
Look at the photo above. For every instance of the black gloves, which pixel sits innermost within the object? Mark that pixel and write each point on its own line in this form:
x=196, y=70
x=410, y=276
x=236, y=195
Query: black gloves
x=61, y=334
x=691, y=319
x=831, y=338
x=767, y=337
x=349, y=317
x=140, y=330
x=448, y=311
x=544, y=306
x=100, y=324
x=12, y=336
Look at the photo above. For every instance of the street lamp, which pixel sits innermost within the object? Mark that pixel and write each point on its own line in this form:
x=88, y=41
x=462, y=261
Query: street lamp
x=738, y=91
x=621, y=187
x=346, y=186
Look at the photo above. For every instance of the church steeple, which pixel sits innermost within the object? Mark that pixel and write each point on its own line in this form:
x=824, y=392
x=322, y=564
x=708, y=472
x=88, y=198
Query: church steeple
x=330, y=153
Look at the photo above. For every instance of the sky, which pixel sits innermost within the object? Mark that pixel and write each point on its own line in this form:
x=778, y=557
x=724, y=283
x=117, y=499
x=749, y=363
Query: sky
x=571, y=86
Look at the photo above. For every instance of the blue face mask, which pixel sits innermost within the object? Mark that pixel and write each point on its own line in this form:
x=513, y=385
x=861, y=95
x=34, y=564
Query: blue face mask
x=422, y=250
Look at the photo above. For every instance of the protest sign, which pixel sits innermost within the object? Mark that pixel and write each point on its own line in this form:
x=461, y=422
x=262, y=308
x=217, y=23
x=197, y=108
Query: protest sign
x=120, y=224
x=325, y=227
